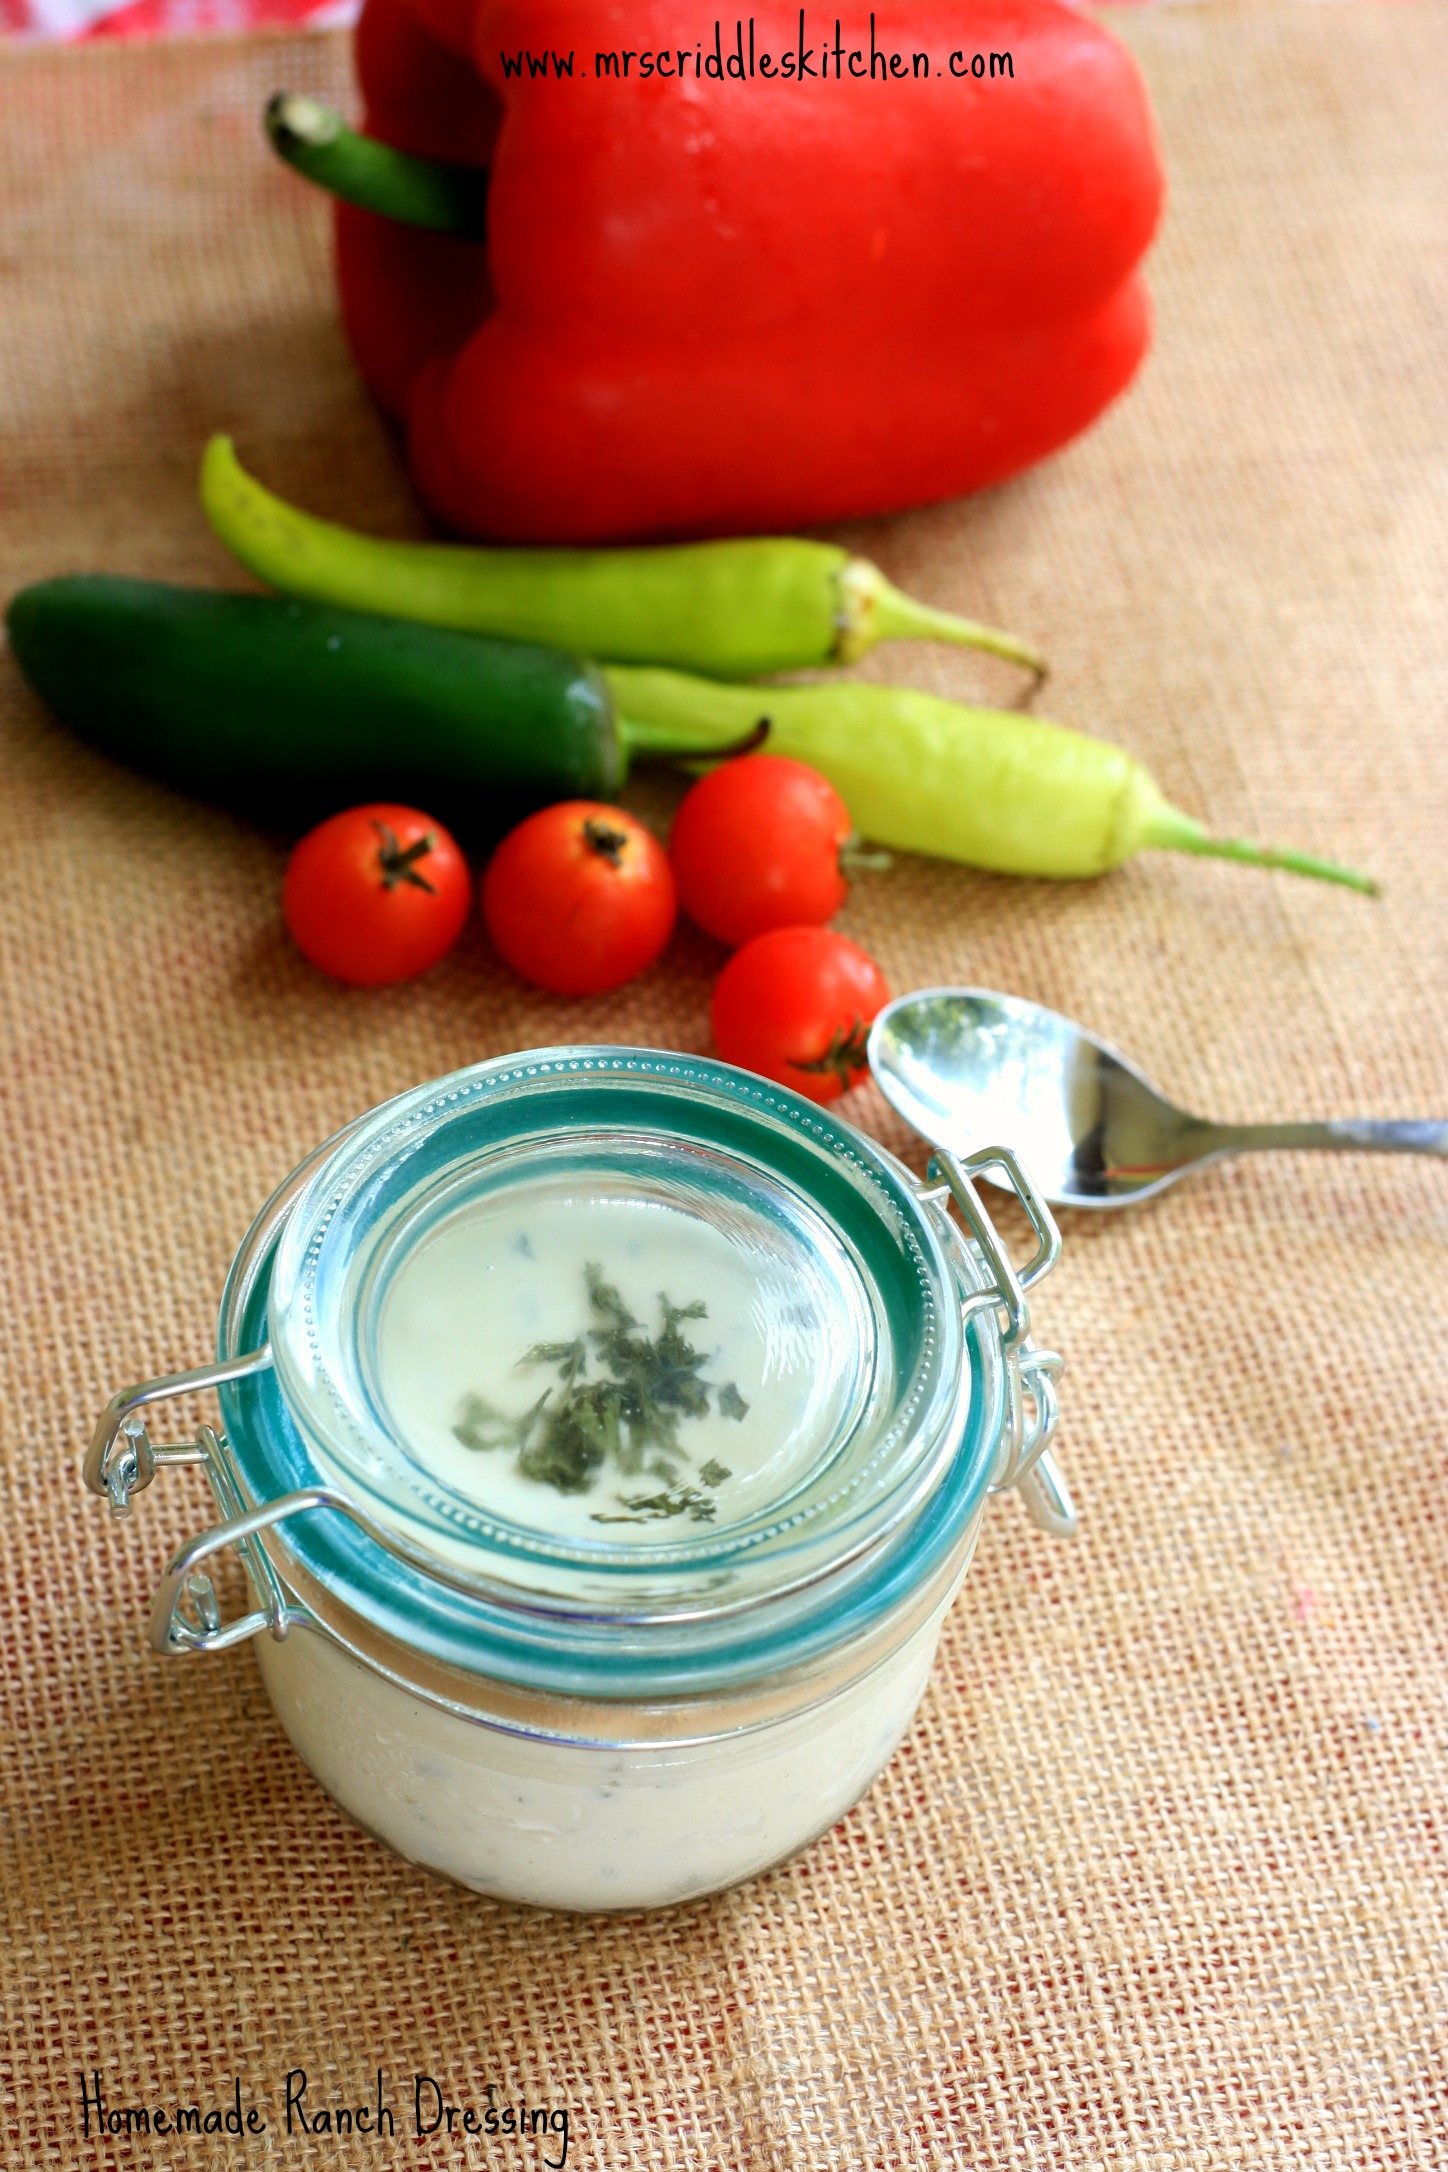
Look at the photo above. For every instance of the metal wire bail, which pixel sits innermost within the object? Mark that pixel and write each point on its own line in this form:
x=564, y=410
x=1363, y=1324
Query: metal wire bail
x=122, y=1459
x=1033, y=1409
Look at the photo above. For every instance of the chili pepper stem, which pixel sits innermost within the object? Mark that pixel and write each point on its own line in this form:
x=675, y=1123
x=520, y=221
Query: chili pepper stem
x=873, y=609
x=1170, y=830
x=315, y=140
x=644, y=740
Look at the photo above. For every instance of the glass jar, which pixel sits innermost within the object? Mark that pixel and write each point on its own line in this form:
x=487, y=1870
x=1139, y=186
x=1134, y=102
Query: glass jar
x=606, y=1432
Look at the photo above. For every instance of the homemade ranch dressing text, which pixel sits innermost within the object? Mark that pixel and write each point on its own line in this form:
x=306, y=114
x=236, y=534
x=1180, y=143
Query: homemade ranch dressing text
x=525, y=1328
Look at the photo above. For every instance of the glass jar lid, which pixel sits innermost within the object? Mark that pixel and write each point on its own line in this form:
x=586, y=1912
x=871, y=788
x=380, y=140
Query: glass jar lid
x=622, y=1329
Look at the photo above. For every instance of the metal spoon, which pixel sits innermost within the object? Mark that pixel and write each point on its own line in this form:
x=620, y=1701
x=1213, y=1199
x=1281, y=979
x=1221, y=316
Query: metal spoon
x=969, y=1068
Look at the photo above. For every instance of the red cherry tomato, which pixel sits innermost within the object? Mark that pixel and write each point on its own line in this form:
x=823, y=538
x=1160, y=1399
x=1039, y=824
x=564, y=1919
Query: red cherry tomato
x=756, y=845
x=377, y=894
x=579, y=898
x=795, y=1005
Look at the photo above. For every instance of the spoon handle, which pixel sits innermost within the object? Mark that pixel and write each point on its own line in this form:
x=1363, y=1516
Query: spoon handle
x=1347, y=1135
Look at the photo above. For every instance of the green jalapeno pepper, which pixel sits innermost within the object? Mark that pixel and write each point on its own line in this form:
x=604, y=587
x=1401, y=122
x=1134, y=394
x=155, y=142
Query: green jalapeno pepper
x=291, y=709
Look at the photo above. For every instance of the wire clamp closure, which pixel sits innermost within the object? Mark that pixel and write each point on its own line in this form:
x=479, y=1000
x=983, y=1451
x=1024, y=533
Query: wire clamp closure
x=1032, y=1407
x=186, y=1615
x=122, y=1458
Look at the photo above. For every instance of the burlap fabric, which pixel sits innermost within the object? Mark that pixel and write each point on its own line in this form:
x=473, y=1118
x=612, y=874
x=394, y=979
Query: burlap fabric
x=1156, y=1883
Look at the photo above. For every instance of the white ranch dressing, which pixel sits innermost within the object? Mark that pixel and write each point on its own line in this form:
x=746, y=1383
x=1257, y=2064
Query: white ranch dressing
x=556, y=1818
x=507, y=1273
x=577, y=1825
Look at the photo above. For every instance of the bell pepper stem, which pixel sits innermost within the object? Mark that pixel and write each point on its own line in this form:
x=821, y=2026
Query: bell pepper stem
x=1173, y=831
x=316, y=141
x=873, y=609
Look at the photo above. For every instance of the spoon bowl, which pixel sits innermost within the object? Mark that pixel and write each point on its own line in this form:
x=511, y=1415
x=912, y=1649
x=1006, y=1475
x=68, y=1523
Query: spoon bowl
x=967, y=1067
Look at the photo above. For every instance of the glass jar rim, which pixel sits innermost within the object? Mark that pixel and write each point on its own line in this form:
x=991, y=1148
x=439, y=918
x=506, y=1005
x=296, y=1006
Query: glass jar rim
x=829, y=1585
x=740, y=1154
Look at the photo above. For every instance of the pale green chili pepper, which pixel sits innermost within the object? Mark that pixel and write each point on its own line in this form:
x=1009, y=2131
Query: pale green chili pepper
x=986, y=786
x=735, y=609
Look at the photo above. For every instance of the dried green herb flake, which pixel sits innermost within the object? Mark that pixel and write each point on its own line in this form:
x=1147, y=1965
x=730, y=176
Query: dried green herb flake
x=627, y=1416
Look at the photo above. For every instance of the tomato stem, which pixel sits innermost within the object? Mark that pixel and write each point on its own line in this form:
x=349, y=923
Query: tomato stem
x=399, y=863
x=846, y=1056
x=855, y=857
x=609, y=843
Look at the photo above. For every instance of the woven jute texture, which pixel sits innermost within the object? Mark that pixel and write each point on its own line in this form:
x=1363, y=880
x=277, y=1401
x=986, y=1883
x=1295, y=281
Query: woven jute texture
x=1156, y=1883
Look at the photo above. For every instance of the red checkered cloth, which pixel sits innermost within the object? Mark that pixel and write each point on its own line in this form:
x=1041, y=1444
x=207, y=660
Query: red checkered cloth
x=74, y=20
x=70, y=21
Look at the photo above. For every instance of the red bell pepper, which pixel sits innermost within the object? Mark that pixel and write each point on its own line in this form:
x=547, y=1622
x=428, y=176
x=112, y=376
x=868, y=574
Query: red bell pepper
x=710, y=306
